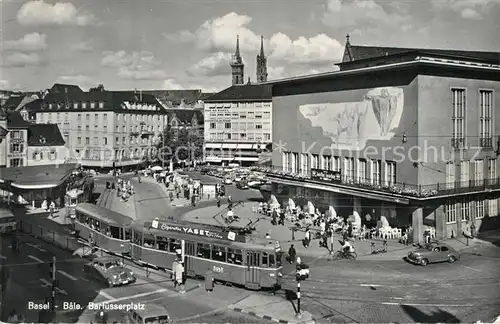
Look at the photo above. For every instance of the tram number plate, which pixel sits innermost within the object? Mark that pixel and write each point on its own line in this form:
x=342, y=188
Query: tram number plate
x=218, y=269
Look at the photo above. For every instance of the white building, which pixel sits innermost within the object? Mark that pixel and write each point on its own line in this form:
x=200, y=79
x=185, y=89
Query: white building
x=238, y=124
x=102, y=128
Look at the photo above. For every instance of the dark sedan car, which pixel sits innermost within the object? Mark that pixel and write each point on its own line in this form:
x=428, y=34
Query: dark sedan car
x=109, y=271
x=433, y=254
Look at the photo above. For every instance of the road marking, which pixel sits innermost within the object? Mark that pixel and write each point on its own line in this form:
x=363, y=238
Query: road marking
x=3, y=257
x=67, y=275
x=134, y=296
x=368, y=285
x=46, y=283
x=470, y=268
x=36, y=259
x=427, y=305
x=36, y=247
x=105, y=295
x=82, y=278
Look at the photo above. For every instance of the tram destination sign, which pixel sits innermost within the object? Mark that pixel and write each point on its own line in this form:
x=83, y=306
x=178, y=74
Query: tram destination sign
x=198, y=231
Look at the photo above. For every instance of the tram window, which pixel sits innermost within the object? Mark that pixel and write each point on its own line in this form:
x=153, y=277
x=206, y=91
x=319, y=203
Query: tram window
x=265, y=258
x=174, y=244
x=137, y=239
x=203, y=250
x=219, y=253
x=128, y=234
x=96, y=225
x=253, y=259
x=189, y=248
x=234, y=256
x=162, y=243
x=114, y=232
x=271, y=260
x=278, y=259
x=149, y=240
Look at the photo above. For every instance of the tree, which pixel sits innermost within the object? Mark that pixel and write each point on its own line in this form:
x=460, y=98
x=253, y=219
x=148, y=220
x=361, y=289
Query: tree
x=99, y=88
x=180, y=145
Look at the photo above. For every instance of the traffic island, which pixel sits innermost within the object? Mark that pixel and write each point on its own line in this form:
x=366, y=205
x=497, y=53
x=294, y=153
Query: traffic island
x=272, y=308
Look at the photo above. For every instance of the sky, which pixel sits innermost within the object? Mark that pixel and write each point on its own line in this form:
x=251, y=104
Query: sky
x=187, y=44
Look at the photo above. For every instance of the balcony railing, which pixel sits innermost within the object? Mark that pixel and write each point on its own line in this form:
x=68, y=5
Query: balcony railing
x=404, y=189
x=458, y=143
x=486, y=142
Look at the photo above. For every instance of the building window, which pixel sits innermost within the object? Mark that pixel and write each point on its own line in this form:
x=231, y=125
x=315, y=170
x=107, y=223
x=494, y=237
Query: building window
x=376, y=172
x=464, y=174
x=304, y=163
x=479, y=209
x=243, y=135
x=335, y=163
x=326, y=162
x=105, y=129
x=227, y=125
x=75, y=105
x=14, y=163
x=79, y=128
x=79, y=117
x=361, y=170
x=258, y=126
x=450, y=211
x=465, y=210
x=286, y=161
x=390, y=173
x=295, y=163
x=267, y=136
x=450, y=175
x=485, y=118
x=101, y=105
x=87, y=128
x=79, y=141
x=349, y=169
x=314, y=161
x=16, y=148
x=213, y=125
x=87, y=140
x=124, y=140
x=493, y=207
x=96, y=140
x=478, y=172
x=243, y=116
x=92, y=105
x=492, y=169
x=458, y=117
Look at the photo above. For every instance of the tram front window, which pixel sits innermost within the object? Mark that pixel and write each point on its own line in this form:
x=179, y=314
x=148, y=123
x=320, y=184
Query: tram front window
x=149, y=241
x=173, y=245
x=234, y=256
x=114, y=232
x=278, y=259
x=162, y=243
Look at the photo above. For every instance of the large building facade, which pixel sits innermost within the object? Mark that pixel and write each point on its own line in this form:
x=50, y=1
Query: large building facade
x=409, y=134
x=103, y=128
x=238, y=124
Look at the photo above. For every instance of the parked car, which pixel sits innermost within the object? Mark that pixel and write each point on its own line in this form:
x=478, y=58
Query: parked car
x=242, y=184
x=433, y=254
x=205, y=171
x=151, y=314
x=228, y=181
x=110, y=271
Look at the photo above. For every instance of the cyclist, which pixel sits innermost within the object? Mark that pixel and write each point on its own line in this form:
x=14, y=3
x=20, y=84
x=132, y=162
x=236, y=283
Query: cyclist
x=347, y=248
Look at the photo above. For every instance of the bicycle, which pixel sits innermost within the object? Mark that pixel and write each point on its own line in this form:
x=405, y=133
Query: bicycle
x=338, y=255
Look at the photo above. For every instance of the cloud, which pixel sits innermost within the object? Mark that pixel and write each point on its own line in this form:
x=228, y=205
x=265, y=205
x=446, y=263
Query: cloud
x=85, y=46
x=355, y=13
x=216, y=64
x=41, y=13
x=134, y=65
x=468, y=9
x=318, y=50
x=4, y=84
x=219, y=34
x=19, y=59
x=28, y=43
x=83, y=81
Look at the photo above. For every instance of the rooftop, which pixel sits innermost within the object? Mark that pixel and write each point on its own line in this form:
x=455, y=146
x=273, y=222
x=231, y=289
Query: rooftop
x=172, y=98
x=246, y=92
x=15, y=120
x=44, y=135
x=186, y=115
x=65, y=88
x=37, y=176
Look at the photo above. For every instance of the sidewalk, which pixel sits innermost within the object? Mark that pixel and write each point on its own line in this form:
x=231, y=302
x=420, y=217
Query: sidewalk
x=116, y=204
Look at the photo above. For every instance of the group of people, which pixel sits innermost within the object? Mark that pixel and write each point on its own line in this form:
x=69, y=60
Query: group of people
x=124, y=189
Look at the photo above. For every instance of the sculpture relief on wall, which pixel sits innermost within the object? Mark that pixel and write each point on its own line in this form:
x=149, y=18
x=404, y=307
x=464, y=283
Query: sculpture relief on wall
x=351, y=124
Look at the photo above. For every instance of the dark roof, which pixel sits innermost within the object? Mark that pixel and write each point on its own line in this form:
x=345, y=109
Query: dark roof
x=15, y=120
x=356, y=53
x=206, y=95
x=185, y=116
x=246, y=92
x=37, y=175
x=12, y=102
x=172, y=98
x=113, y=100
x=64, y=88
x=3, y=131
x=44, y=135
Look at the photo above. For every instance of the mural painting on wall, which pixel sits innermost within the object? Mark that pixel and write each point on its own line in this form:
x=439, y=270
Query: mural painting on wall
x=351, y=124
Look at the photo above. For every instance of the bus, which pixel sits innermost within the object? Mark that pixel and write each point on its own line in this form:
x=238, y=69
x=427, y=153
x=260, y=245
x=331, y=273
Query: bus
x=8, y=223
x=232, y=255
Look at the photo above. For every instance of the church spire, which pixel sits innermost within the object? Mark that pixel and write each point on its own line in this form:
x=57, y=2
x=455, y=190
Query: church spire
x=347, y=51
x=261, y=63
x=237, y=66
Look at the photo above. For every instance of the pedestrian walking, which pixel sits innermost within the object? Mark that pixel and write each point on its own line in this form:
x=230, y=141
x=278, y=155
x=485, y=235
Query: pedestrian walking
x=218, y=201
x=307, y=238
x=291, y=254
x=209, y=281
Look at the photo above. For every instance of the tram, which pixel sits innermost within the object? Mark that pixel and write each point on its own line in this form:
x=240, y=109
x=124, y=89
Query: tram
x=229, y=253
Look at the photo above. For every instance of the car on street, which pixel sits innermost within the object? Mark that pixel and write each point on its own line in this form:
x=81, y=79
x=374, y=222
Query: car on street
x=151, y=314
x=242, y=184
x=228, y=181
x=432, y=254
x=110, y=271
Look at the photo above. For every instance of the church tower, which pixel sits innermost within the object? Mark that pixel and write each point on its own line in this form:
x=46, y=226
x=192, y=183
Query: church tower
x=237, y=66
x=261, y=63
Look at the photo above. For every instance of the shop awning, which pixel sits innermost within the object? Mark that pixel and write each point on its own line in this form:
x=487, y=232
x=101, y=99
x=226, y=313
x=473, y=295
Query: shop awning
x=245, y=146
x=213, y=145
x=246, y=158
x=213, y=159
x=229, y=146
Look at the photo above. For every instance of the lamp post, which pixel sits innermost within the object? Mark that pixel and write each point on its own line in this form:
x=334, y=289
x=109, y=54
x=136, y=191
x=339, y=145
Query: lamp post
x=163, y=142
